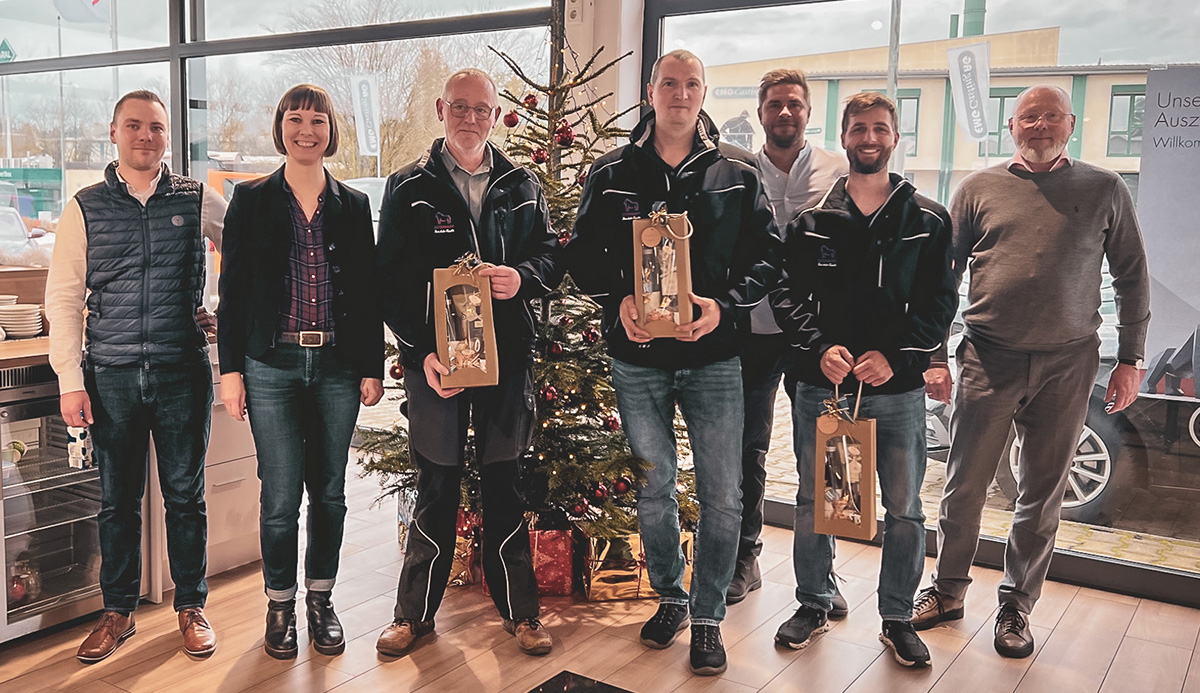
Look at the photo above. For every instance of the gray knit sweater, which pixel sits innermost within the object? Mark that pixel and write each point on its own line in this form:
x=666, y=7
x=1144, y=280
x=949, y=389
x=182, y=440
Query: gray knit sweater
x=1034, y=244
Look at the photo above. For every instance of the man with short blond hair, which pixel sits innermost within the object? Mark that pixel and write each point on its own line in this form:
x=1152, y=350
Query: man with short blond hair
x=1035, y=231
x=674, y=159
x=131, y=253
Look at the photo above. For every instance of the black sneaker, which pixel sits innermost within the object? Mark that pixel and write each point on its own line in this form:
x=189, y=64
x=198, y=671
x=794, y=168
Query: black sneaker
x=1013, y=638
x=746, y=579
x=906, y=646
x=660, y=631
x=838, y=608
x=708, y=652
x=797, y=631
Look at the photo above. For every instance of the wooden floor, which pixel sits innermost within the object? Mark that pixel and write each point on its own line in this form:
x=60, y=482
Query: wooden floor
x=1087, y=640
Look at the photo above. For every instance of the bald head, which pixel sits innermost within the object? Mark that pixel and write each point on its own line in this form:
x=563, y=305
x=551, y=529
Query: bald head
x=471, y=74
x=1044, y=93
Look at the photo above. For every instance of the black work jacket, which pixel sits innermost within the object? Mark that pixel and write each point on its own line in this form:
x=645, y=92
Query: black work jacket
x=258, y=238
x=734, y=245
x=426, y=224
x=868, y=283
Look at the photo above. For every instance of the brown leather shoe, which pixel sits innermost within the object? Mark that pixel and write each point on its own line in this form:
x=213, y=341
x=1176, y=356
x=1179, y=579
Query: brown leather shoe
x=532, y=637
x=111, y=630
x=397, y=639
x=199, y=640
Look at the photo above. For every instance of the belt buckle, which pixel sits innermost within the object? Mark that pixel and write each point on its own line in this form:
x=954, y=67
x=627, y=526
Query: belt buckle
x=312, y=339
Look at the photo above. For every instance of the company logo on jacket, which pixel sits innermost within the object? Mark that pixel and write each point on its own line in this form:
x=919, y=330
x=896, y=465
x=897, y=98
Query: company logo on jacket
x=442, y=223
x=631, y=209
x=827, y=257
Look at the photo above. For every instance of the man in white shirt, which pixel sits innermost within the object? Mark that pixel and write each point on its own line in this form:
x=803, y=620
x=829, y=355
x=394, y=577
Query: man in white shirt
x=131, y=251
x=795, y=175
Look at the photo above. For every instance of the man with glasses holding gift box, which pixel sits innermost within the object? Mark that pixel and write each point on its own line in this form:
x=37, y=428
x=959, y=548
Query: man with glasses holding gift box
x=868, y=295
x=1034, y=232
x=674, y=158
x=465, y=196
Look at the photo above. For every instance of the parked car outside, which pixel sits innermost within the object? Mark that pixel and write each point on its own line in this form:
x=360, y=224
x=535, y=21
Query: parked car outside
x=1153, y=444
x=20, y=245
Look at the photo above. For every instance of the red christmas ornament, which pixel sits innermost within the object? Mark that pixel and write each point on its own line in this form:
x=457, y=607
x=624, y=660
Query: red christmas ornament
x=556, y=349
x=396, y=371
x=530, y=101
x=539, y=156
x=565, y=321
x=590, y=335
x=16, y=590
x=563, y=125
x=600, y=492
x=623, y=485
x=580, y=508
x=564, y=237
x=581, y=178
x=614, y=424
x=565, y=138
x=549, y=394
x=511, y=119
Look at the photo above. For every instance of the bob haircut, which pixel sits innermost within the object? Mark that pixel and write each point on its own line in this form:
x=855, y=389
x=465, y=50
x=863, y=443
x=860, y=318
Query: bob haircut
x=304, y=96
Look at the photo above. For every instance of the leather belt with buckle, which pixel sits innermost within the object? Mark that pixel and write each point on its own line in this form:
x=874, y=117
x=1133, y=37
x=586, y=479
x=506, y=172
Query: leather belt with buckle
x=308, y=338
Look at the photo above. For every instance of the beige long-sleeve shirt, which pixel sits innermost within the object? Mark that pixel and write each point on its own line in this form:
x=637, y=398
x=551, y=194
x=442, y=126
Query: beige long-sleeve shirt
x=66, y=283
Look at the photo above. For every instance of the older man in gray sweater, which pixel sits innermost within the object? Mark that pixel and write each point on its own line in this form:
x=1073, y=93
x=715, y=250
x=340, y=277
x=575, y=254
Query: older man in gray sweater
x=1034, y=233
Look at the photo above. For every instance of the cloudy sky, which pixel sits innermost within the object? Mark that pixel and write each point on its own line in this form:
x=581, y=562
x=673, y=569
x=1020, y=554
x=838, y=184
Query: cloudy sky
x=1111, y=31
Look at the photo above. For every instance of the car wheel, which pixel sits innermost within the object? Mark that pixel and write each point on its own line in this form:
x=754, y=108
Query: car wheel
x=1098, y=474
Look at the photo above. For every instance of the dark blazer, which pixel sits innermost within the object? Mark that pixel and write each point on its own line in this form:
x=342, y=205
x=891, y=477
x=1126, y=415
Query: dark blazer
x=257, y=239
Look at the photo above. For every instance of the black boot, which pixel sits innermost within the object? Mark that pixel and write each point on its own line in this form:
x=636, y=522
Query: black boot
x=280, y=640
x=324, y=628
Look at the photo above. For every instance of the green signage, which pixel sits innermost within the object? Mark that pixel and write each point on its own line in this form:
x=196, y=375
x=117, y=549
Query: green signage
x=7, y=54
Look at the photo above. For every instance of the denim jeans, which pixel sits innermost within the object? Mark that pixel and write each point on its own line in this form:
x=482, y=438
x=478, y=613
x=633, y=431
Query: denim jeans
x=900, y=468
x=710, y=398
x=764, y=357
x=303, y=403
x=129, y=404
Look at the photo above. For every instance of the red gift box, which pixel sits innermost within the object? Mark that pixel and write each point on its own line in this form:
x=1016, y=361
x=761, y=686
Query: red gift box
x=553, y=560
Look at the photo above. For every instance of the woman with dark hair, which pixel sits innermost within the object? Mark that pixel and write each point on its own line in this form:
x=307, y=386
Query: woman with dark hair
x=301, y=345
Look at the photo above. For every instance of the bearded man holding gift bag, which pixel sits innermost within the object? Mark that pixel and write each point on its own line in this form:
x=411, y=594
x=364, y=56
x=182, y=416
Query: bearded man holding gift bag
x=868, y=296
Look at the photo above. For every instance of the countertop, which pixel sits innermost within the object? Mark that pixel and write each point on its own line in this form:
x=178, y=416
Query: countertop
x=24, y=352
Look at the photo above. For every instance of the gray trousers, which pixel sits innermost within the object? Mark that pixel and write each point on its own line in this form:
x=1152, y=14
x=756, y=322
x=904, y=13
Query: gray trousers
x=1046, y=395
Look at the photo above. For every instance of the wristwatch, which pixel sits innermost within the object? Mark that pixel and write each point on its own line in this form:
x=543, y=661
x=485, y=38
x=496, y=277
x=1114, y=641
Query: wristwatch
x=1136, y=363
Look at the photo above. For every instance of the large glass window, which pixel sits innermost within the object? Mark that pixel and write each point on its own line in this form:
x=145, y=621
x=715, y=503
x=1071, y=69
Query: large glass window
x=1125, y=120
x=999, y=140
x=1134, y=473
x=57, y=141
x=45, y=29
x=227, y=18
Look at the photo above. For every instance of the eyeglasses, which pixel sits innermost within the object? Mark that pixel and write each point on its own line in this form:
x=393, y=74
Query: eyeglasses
x=460, y=110
x=1051, y=118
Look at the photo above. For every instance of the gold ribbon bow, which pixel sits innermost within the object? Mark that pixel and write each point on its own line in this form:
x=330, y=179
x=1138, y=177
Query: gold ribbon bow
x=660, y=217
x=836, y=405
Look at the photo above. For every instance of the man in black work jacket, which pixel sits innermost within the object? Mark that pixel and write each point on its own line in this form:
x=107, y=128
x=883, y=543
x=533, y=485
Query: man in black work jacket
x=867, y=298
x=675, y=159
x=465, y=196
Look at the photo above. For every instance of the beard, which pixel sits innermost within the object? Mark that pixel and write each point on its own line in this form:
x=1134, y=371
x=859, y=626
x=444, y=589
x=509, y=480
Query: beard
x=1042, y=156
x=859, y=166
x=781, y=139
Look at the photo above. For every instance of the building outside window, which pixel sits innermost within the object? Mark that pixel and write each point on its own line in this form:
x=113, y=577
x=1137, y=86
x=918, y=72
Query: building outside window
x=1128, y=105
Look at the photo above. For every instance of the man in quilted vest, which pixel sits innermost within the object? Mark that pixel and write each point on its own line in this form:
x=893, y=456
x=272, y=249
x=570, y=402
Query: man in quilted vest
x=131, y=250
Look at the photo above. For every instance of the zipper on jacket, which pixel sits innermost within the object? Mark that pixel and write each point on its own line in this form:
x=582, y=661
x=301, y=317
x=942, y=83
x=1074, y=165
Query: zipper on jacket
x=146, y=284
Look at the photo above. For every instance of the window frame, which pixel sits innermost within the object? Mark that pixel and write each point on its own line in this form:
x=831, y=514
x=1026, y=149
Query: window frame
x=1132, y=91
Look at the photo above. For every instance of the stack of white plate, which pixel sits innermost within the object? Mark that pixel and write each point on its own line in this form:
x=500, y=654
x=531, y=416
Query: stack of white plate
x=8, y=299
x=21, y=319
